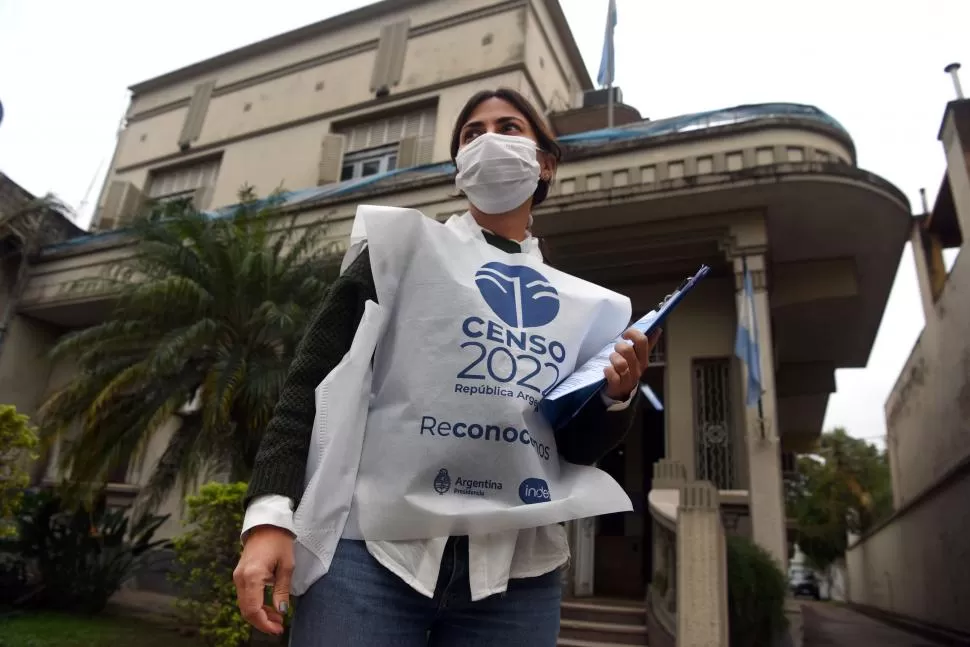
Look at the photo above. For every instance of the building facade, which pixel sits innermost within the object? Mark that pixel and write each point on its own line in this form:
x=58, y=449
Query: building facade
x=915, y=565
x=360, y=107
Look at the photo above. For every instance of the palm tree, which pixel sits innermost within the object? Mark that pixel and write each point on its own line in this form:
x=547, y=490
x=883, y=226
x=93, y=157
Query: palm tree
x=208, y=313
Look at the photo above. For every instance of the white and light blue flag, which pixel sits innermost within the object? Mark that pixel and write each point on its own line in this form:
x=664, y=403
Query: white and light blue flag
x=746, y=342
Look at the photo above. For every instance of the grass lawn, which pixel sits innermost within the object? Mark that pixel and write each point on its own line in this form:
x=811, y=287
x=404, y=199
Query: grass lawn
x=62, y=630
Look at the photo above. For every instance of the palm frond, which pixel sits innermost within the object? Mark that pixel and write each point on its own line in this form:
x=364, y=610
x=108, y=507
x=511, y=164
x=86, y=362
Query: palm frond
x=214, y=306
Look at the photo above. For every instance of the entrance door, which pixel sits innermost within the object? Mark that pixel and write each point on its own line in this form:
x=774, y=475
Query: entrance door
x=622, y=547
x=654, y=448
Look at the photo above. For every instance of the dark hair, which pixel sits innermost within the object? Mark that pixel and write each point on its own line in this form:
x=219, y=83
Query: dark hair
x=546, y=140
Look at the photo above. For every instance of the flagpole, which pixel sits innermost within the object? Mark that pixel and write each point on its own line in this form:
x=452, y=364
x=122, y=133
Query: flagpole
x=612, y=72
x=609, y=105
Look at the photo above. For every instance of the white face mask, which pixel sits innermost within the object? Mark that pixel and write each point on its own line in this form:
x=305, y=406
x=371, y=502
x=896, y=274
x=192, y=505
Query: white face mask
x=498, y=172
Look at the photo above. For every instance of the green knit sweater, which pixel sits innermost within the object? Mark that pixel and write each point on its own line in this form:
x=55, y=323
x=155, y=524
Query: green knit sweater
x=281, y=461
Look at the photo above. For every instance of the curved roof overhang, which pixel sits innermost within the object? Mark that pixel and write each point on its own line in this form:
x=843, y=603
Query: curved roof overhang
x=831, y=220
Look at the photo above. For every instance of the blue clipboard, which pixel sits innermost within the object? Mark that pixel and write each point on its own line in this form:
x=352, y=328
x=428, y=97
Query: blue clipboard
x=565, y=400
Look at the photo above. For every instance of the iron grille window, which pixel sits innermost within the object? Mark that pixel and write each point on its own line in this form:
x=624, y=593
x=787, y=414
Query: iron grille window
x=713, y=435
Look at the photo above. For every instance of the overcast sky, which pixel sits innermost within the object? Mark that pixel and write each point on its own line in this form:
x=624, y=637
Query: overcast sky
x=876, y=66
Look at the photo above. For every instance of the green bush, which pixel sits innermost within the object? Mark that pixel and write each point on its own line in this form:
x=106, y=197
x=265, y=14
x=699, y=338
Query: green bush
x=756, y=595
x=18, y=442
x=13, y=578
x=207, y=554
x=82, y=553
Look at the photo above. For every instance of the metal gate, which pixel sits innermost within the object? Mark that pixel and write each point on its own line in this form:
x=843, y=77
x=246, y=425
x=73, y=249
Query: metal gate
x=713, y=434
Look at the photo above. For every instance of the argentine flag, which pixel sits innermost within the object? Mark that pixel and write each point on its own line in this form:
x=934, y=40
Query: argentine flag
x=746, y=343
x=606, y=74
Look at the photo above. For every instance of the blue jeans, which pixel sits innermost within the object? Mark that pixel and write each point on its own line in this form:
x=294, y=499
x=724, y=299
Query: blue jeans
x=359, y=603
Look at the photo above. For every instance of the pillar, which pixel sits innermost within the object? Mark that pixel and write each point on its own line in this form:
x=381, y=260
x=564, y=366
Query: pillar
x=955, y=137
x=702, y=619
x=765, y=486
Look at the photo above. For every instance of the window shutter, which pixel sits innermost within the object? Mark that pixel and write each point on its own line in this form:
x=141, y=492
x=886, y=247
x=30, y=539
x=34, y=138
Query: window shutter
x=425, y=151
x=407, y=152
x=131, y=204
x=201, y=198
x=399, y=48
x=195, y=117
x=111, y=208
x=391, y=49
x=331, y=159
x=121, y=203
x=382, y=63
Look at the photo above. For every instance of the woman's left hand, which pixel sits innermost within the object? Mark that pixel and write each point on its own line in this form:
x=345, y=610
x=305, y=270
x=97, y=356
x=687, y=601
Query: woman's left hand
x=629, y=361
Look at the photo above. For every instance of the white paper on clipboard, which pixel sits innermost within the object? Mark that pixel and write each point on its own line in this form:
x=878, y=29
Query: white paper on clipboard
x=569, y=396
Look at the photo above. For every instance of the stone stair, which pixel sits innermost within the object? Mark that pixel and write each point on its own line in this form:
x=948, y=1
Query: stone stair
x=597, y=622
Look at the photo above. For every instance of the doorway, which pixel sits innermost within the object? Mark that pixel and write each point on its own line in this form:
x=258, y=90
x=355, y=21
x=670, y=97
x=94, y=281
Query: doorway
x=623, y=549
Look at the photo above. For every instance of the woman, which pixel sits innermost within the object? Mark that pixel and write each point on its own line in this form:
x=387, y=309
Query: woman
x=429, y=591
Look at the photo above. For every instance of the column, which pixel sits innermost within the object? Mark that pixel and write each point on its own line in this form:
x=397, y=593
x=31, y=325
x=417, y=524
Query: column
x=702, y=617
x=765, y=487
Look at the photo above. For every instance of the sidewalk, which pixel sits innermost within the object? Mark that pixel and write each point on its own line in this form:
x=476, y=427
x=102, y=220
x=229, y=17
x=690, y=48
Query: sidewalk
x=833, y=625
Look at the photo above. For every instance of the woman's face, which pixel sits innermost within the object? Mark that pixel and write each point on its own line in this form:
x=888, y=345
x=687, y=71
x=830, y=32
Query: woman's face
x=498, y=116
x=495, y=116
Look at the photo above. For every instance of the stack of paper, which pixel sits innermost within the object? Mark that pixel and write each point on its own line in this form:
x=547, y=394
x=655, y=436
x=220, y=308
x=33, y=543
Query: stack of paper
x=562, y=403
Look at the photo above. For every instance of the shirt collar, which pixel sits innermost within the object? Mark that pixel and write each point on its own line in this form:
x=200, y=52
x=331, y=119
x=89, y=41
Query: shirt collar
x=466, y=223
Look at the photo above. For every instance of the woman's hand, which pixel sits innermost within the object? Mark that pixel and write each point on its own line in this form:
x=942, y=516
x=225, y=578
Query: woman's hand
x=267, y=558
x=628, y=362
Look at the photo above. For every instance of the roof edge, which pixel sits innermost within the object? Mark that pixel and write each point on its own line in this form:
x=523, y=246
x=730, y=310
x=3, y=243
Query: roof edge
x=569, y=42
x=340, y=21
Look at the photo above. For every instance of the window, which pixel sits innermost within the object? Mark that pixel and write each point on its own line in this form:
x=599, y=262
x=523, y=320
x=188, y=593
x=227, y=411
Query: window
x=675, y=170
x=183, y=181
x=376, y=146
x=369, y=162
x=735, y=161
x=764, y=156
x=390, y=130
x=796, y=154
x=705, y=165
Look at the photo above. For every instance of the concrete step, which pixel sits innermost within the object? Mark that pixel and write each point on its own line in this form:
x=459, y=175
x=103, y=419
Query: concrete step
x=596, y=611
x=570, y=642
x=602, y=632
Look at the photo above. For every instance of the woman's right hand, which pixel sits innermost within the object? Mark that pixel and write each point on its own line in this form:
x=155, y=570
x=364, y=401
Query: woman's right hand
x=267, y=559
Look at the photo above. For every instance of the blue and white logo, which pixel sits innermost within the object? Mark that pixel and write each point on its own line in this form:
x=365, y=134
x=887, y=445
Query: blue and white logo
x=517, y=294
x=442, y=482
x=534, y=490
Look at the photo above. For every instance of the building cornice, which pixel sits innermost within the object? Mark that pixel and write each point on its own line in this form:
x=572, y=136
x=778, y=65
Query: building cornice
x=274, y=43
x=377, y=104
x=572, y=49
x=336, y=23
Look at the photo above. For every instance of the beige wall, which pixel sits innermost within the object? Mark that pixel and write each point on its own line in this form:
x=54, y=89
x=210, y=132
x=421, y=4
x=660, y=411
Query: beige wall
x=268, y=115
x=919, y=565
x=701, y=327
x=438, y=57
x=24, y=366
x=335, y=44
x=545, y=57
x=928, y=410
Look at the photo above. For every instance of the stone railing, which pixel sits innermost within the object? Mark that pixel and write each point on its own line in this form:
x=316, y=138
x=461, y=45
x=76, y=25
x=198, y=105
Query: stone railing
x=690, y=562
